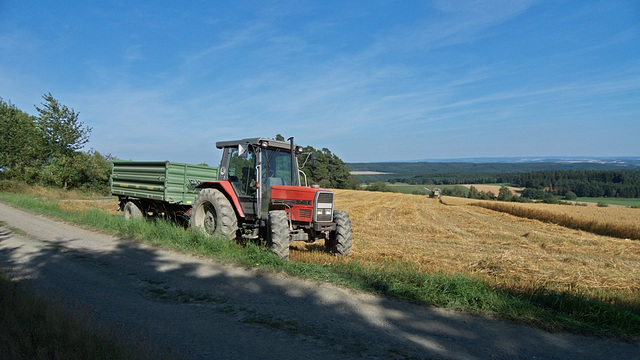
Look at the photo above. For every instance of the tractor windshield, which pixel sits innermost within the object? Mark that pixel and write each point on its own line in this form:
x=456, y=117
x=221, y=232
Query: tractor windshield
x=276, y=168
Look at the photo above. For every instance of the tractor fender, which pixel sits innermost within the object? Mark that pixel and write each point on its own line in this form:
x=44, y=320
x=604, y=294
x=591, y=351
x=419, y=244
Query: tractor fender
x=225, y=188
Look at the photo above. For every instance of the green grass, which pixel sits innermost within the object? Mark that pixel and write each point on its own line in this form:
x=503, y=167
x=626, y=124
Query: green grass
x=612, y=201
x=548, y=310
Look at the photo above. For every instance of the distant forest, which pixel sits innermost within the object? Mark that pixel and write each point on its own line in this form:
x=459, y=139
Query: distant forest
x=583, y=179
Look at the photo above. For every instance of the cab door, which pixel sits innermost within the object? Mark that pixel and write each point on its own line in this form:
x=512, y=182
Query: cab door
x=242, y=174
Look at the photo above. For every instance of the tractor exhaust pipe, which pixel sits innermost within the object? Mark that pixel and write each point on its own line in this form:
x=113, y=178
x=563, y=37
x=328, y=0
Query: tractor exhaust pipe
x=293, y=162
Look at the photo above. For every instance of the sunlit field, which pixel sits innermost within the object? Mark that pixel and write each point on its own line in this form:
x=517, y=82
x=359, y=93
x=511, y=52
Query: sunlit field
x=457, y=236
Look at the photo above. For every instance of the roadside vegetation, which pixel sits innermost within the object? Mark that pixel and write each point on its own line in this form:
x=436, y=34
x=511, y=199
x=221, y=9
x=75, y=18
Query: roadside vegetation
x=375, y=267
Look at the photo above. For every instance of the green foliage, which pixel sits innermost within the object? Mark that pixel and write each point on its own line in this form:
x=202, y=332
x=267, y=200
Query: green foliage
x=570, y=195
x=504, y=194
x=473, y=193
x=379, y=186
x=538, y=194
x=458, y=191
x=79, y=170
x=329, y=170
x=46, y=149
x=21, y=144
x=583, y=179
x=61, y=130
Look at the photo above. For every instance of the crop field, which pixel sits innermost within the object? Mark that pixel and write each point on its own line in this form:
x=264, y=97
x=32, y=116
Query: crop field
x=509, y=251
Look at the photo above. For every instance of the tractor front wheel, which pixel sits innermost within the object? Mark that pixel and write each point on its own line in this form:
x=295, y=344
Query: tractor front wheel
x=278, y=233
x=339, y=241
x=212, y=212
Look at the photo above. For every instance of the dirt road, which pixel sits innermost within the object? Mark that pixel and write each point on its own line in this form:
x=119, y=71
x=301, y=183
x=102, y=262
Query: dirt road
x=207, y=310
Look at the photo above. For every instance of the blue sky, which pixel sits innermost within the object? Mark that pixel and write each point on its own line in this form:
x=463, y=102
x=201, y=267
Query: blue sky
x=369, y=80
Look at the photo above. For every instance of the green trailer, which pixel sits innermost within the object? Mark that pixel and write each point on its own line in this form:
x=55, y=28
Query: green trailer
x=152, y=188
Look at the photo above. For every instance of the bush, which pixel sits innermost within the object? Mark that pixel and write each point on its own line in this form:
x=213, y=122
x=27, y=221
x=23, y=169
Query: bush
x=570, y=195
x=379, y=186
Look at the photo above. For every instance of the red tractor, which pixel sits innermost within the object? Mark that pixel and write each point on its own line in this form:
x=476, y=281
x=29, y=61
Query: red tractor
x=258, y=195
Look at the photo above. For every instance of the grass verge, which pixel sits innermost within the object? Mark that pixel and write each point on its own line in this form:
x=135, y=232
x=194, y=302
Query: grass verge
x=549, y=310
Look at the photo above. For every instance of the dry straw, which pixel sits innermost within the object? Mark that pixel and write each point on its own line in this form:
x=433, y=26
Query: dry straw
x=504, y=250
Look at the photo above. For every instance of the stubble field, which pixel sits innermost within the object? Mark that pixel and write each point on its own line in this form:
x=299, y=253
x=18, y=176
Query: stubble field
x=456, y=236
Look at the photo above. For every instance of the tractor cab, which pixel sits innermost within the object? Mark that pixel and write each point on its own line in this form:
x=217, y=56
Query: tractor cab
x=253, y=166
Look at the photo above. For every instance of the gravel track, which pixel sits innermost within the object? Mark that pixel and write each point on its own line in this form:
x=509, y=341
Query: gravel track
x=207, y=310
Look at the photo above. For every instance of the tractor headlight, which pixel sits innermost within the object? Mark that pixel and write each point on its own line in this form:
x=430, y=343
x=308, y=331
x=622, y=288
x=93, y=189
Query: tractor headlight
x=324, y=212
x=323, y=204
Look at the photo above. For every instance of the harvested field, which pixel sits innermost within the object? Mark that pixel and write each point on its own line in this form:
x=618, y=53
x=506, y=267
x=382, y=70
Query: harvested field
x=109, y=206
x=615, y=221
x=504, y=250
x=495, y=188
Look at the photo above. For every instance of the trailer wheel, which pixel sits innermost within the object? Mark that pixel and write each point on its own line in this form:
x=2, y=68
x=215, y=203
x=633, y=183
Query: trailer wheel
x=212, y=212
x=339, y=241
x=131, y=211
x=278, y=232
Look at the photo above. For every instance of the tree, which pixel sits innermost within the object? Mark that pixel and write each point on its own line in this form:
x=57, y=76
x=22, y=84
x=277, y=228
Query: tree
x=329, y=170
x=20, y=144
x=570, y=195
x=379, y=186
x=504, y=194
x=473, y=192
x=79, y=170
x=62, y=132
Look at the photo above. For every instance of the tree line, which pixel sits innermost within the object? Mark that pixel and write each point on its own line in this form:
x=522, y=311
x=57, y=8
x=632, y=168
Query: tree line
x=582, y=183
x=543, y=184
x=46, y=149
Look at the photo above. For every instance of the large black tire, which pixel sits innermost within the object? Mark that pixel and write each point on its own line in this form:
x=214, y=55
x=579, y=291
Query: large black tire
x=278, y=233
x=339, y=241
x=131, y=211
x=212, y=212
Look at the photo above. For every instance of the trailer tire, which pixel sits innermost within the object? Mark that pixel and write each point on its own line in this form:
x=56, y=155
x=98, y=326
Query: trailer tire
x=339, y=241
x=212, y=212
x=278, y=233
x=131, y=211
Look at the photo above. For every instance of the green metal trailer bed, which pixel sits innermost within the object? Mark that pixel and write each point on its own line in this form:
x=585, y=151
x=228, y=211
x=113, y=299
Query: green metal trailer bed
x=158, y=181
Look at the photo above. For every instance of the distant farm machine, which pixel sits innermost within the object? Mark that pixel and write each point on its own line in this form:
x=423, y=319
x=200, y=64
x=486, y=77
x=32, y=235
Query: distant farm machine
x=255, y=195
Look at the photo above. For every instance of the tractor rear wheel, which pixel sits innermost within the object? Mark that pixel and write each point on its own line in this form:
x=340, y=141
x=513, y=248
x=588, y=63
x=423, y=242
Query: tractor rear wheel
x=339, y=241
x=212, y=212
x=278, y=233
x=131, y=211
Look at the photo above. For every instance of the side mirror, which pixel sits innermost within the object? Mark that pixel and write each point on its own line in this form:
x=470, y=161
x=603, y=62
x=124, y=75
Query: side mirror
x=242, y=152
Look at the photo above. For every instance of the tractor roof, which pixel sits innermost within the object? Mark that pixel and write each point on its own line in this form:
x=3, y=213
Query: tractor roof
x=255, y=141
